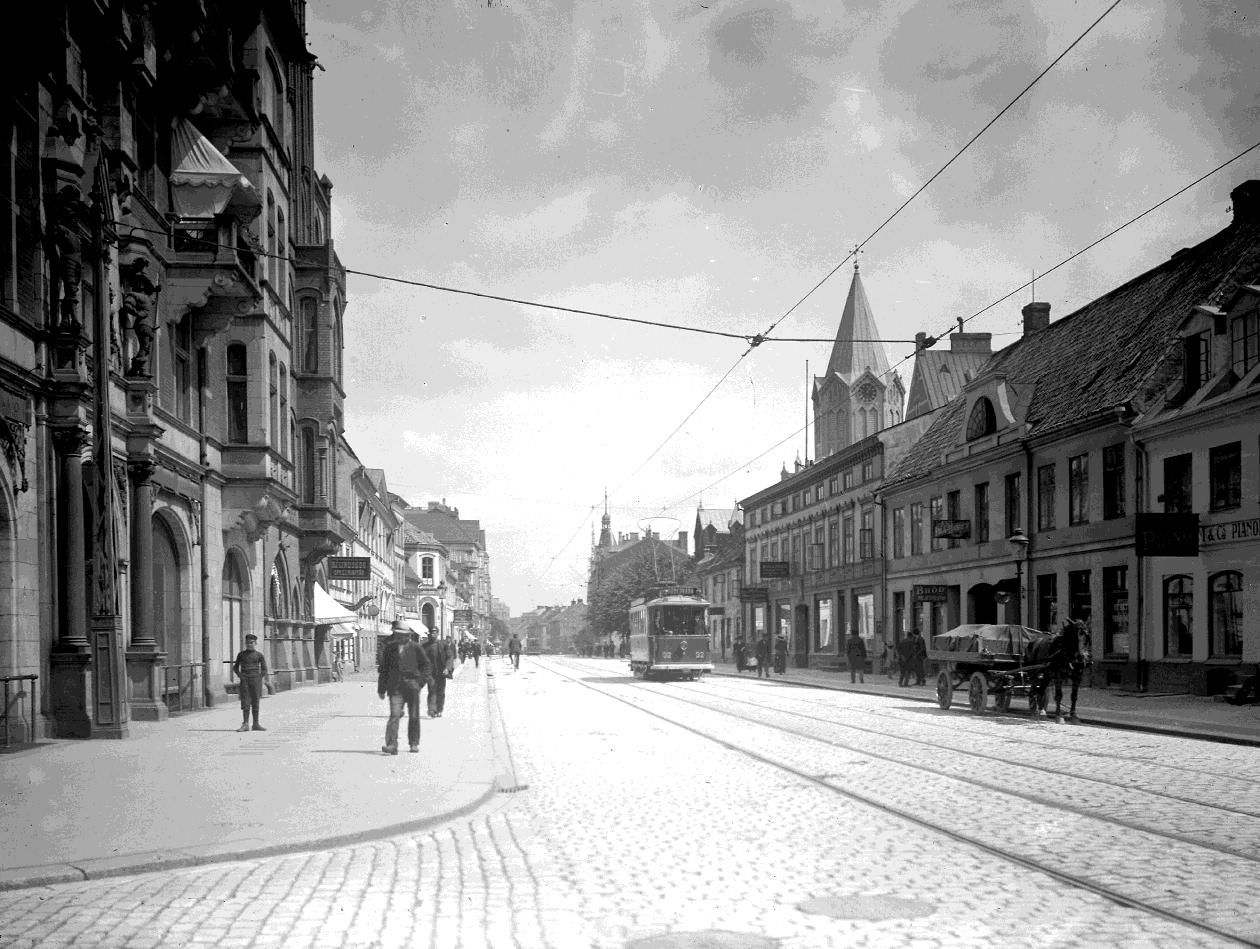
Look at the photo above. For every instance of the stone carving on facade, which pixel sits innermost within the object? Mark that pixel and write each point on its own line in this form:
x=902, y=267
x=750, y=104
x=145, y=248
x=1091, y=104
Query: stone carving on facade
x=136, y=313
x=68, y=219
x=13, y=442
x=121, y=486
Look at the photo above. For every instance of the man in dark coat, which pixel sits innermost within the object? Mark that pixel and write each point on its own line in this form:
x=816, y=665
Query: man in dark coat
x=514, y=651
x=475, y=649
x=780, y=654
x=920, y=657
x=763, y=656
x=405, y=669
x=905, y=658
x=855, y=654
x=439, y=653
x=739, y=650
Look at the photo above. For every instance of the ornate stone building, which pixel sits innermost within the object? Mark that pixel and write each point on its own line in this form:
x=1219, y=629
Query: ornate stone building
x=170, y=357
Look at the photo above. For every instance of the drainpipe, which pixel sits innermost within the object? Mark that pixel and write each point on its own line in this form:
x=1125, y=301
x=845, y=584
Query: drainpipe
x=203, y=458
x=1139, y=477
x=1027, y=602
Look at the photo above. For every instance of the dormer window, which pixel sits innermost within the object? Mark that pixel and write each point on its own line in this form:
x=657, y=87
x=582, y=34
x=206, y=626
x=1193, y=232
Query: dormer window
x=1198, y=360
x=1244, y=343
x=983, y=420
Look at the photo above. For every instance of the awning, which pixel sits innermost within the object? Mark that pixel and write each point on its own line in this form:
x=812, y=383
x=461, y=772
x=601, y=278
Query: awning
x=327, y=610
x=342, y=631
x=417, y=627
x=204, y=184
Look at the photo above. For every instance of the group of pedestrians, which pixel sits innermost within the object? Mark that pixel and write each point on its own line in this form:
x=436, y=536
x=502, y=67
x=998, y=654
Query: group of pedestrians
x=760, y=656
x=912, y=658
x=407, y=667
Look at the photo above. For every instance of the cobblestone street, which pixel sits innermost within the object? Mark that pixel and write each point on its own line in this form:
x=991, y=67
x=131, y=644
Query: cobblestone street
x=743, y=813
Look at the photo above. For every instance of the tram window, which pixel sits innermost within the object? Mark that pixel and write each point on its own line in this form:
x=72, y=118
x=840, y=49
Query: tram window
x=680, y=621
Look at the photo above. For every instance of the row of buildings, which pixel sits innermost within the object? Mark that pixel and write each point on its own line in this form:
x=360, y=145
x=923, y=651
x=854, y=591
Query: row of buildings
x=1104, y=467
x=174, y=471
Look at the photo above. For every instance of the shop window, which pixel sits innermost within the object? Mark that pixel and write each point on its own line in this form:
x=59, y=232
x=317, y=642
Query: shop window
x=1244, y=343
x=1113, y=481
x=981, y=512
x=1225, y=473
x=1045, y=498
x=823, y=610
x=1116, y=611
x=1178, y=484
x=1179, y=616
x=1225, y=615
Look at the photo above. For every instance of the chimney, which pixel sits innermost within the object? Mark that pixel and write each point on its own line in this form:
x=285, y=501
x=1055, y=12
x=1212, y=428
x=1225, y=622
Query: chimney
x=682, y=539
x=1246, y=198
x=1036, y=318
x=971, y=342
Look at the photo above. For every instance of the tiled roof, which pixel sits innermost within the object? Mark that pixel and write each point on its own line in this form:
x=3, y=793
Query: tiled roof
x=444, y=527
x=849, y=359
x=719, y=518
x=1096, y=358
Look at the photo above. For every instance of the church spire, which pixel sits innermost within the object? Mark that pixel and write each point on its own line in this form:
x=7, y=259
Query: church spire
x=857, y=345
x=605, y=532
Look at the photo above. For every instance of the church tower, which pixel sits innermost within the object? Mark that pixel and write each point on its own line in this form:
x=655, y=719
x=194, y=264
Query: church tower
x=605, y=531
x=858, y=395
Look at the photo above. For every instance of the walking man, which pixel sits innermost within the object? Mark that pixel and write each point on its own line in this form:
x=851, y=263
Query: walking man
x=920, y=657
x=763, y=656
x=905, y=658
x=475, y=649
x=855, y=653
x=514, y=651
x=780, y=654
x=405, y=669
x=441, y=660
x=250, y=667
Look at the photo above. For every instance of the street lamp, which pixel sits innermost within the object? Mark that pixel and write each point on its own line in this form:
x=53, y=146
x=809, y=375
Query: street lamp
x=1019, y=544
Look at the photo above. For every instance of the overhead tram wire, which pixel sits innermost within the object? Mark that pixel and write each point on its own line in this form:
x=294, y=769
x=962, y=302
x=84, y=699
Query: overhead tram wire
x=999, y=300
x=923, y=187
x=1090, y=246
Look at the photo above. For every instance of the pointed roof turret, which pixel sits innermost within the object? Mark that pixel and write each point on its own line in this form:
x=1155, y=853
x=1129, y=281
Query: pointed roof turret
x=605, y=531
x=856, y=348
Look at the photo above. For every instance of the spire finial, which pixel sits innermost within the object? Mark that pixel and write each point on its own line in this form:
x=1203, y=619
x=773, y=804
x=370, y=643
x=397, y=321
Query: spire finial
x=857, y=249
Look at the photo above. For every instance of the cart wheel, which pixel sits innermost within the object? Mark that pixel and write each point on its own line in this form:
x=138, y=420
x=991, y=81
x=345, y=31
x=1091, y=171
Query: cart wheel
x=1002, y=701
x=944, y=689
x=977, y=692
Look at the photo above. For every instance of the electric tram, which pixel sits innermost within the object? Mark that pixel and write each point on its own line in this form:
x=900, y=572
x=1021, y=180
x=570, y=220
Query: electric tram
x=669, y=635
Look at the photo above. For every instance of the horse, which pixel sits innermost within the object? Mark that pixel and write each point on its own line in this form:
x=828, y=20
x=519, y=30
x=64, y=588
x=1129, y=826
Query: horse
x=1065, y=655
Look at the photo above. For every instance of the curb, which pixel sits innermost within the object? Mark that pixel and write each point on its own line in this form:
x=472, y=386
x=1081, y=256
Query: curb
x=99, y=868
x=1157, y=728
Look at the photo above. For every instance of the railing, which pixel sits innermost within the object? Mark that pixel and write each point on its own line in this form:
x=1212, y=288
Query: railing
x=182, y=687
x=14, y=697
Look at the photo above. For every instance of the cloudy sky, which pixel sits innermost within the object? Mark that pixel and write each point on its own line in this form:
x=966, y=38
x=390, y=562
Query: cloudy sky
x=707, y=164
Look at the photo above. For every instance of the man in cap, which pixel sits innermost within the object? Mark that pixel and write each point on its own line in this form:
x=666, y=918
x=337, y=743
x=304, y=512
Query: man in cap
x=405, y=669
x=441, y=660
x=250, y=667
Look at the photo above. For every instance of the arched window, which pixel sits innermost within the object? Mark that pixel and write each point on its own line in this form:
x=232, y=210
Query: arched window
x=235, y=604
x=308, y=466
x=1225, y=614
x=276, y=111
x=1179, y=616
x=284, y=410
x=167, y=608
x=426, y=616
x=269, y=244
x=310, y=334
x=982, y=420
x=237, y=393
x=282, y=249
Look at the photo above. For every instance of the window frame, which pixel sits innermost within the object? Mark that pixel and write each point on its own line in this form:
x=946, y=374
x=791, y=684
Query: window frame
x=1045, y=497
x=1078, y=489
x=1225, y=483
x=237, y=402
x=1185, y=637
x=1244, y=342
x=980, y=511
x=1235, y=598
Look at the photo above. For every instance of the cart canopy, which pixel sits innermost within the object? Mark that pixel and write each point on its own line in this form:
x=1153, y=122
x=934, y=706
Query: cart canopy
x=989, y=639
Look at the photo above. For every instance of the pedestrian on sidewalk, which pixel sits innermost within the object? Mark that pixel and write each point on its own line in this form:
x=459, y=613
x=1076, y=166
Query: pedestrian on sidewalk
x=763, y=656
x=905, y=658
x=514, y=651
x=475, y=649
x=739, y=649
x=405, y=669
x=920, y=657
x=780, y=654
x=443, y=662
x=855, y=653
x=250, y=667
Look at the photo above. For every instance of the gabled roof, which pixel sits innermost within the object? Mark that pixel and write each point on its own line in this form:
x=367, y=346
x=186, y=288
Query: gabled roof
x=939, y=376
x=445, y=527
x=1100, y=356
x=719, y=518
x=856, y=347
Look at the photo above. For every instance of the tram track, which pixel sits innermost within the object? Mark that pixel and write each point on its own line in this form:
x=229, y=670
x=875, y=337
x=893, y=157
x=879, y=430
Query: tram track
x=1111, y=875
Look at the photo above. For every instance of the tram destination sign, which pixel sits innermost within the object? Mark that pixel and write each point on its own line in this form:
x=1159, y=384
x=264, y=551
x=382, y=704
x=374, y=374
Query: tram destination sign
x=774, y=569
x=349, y=568
x=930, y=592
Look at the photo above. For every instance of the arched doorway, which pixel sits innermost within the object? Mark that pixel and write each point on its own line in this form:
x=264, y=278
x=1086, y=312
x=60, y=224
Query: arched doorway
x=982, y=604
x=235, y=609
x=426, y=616
x=168, y=614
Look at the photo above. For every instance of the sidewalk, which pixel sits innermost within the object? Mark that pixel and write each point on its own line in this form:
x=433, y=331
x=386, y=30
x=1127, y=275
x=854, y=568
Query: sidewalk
x=192, y=790
x=1180, y=714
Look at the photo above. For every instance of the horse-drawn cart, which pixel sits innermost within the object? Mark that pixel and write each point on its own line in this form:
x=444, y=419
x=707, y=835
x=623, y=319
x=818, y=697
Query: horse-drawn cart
x=985, y=660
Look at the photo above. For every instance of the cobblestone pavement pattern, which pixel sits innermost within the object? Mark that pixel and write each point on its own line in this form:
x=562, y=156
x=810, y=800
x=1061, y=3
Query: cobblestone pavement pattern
x=633, y=828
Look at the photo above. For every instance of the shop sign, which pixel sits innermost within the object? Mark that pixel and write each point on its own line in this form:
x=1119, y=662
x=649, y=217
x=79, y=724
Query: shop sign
x=463, y=617
x=755, y=594
x=1247, y=529
x=349, y=568
x=951, y=530
x=774, y=569
x=1166, y=535
x=930, y=592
